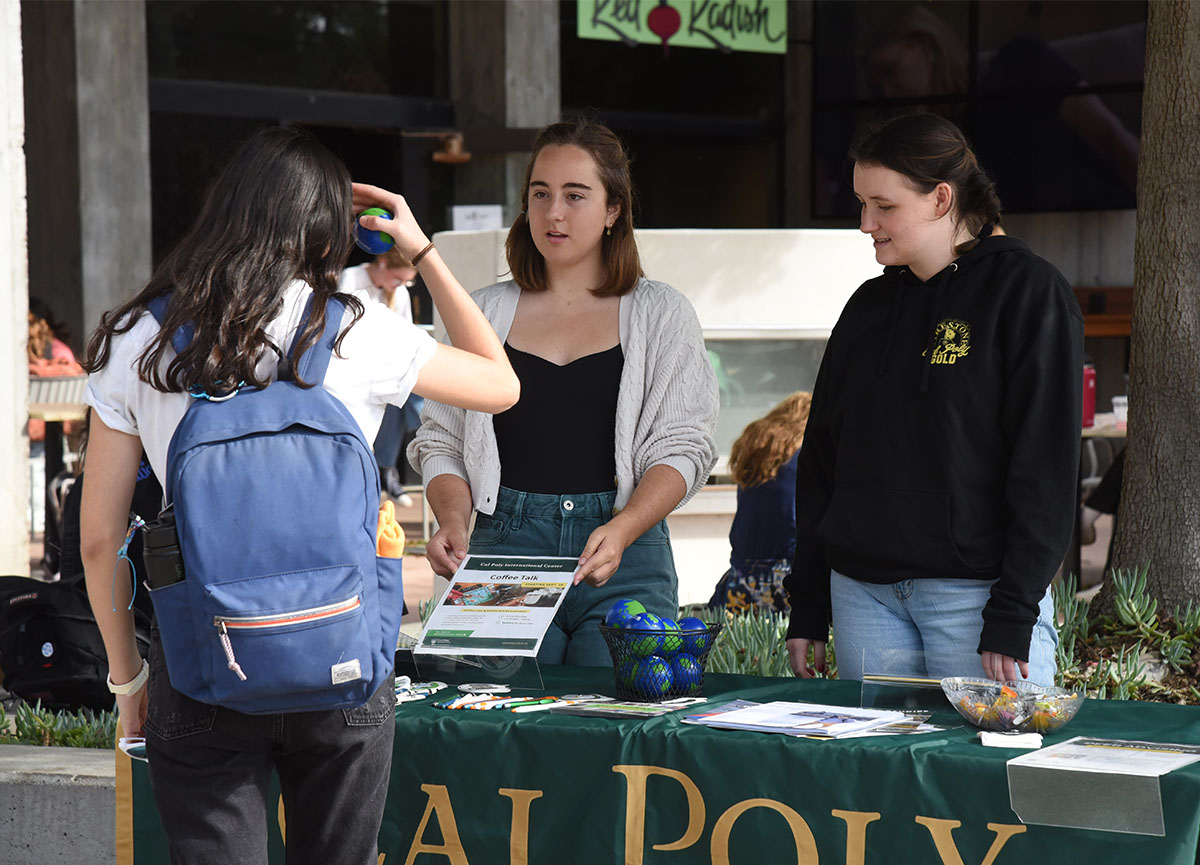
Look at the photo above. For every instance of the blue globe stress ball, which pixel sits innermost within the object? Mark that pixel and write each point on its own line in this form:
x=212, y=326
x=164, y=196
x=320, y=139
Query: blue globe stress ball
x=626, y=672
x=672, y=641
x=621, y=613
x=649, y=642
x=686, y=673
x=374, y=242
x=652, y=676
x=694, y=644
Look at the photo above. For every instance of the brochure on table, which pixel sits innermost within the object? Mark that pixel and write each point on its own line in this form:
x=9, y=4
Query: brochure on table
x=1106, y=784
x=606, y=708
x=795, y=719
x=1117, y=756
x=497, y=606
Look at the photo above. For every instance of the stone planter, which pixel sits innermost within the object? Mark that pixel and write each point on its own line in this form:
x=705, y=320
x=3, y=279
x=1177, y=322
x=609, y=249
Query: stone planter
x=57, y=805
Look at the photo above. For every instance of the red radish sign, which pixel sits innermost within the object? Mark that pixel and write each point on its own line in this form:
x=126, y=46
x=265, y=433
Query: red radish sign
x=724, y=25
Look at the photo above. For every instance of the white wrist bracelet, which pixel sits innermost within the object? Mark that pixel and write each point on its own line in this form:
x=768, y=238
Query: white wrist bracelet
x=131, y=686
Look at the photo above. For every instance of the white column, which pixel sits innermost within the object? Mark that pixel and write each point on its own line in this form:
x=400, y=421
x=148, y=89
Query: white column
x=14, y=302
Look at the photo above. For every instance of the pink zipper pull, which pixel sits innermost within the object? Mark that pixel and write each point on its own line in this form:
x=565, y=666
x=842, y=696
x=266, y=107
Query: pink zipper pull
x=223, y=635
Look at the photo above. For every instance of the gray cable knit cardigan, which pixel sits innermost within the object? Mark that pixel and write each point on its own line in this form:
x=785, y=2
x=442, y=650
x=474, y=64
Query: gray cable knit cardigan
x=666, y=404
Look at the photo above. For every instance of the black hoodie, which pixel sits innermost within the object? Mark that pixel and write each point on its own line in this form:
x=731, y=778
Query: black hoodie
x=944, y=439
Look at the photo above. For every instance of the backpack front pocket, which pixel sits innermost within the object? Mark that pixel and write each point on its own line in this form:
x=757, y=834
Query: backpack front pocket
x=259, y=647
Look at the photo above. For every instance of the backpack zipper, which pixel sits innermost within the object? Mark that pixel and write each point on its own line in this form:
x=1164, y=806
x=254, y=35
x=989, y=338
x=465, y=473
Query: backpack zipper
x=276, y=620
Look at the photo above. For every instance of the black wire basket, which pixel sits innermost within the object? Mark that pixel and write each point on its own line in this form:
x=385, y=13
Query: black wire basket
x=656, y=665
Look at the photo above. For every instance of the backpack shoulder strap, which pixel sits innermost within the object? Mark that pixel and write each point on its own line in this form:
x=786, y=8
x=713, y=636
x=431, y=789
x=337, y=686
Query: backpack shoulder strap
x=312, y=366
x=182, y=337
x=315, y=362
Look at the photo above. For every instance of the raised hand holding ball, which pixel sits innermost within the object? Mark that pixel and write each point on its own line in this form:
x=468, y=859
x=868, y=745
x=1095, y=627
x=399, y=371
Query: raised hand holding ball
x=373, y=242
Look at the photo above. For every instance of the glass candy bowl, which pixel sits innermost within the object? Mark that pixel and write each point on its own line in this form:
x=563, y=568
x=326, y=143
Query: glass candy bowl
x=1006, y=706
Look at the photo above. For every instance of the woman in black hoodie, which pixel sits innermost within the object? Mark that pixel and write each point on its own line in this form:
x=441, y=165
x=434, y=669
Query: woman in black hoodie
x=936, y=485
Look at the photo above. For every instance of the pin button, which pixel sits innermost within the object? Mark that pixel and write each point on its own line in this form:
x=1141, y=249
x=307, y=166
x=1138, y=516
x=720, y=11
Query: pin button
x=568, y=505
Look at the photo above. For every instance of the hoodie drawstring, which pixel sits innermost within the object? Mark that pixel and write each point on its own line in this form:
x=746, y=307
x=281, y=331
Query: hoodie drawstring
x=927, y=355
x=896, y=304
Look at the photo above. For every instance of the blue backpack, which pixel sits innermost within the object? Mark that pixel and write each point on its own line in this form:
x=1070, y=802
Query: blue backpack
x=284, y=606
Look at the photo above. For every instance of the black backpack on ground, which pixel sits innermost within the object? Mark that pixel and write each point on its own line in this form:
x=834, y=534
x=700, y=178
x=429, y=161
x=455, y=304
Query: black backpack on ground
x=50, y=645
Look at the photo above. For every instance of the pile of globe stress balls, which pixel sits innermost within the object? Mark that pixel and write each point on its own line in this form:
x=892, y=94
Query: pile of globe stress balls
x=661, y=655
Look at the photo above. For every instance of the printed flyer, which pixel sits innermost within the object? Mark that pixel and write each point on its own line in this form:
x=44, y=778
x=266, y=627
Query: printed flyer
x=1116, y=756
x=795, y=719
x=497, y=605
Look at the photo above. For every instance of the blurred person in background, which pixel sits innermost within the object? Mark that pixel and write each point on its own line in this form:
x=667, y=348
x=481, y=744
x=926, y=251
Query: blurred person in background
x=386, y=280
x=762, y=463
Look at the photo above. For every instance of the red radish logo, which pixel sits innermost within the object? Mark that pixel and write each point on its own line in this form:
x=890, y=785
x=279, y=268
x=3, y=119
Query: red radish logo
x=664, y=22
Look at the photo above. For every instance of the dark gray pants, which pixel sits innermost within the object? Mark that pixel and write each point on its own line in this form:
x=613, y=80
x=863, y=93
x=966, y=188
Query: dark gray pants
x=210, y=771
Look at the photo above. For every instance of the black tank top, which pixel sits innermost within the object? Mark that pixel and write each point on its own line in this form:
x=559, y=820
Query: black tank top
x=560, y=436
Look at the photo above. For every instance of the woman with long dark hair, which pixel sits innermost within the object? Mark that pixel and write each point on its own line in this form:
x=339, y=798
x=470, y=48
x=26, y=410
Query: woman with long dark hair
x=614, y=428
x=935, y=488
x=274, y=231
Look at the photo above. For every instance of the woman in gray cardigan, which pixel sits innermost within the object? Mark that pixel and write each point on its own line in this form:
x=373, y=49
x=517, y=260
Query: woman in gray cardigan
x=614, y=428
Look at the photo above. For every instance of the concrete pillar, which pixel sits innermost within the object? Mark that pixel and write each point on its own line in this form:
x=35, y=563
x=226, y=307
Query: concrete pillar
x=89, y=156
x=114, y=152
x=532, y=88
x=14, y=301
x=511, y=83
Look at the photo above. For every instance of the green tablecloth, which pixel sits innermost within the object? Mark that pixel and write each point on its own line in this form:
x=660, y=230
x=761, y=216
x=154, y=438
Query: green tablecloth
x=497, y=787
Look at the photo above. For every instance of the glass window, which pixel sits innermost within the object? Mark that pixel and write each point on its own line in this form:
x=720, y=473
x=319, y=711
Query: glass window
x=704, y=127
x=358, y=46
x=740, y=188
x=756, y=374
x=889, y=50
x=1050, y=94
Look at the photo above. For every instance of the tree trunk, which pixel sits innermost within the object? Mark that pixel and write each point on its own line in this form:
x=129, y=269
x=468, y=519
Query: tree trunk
x=1160, y=498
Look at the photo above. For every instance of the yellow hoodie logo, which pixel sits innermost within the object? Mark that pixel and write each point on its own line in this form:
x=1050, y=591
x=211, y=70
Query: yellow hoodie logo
x=952, y=341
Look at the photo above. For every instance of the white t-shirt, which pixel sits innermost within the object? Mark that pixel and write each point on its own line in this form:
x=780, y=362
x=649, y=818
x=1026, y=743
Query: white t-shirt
x=357, y=280
x=378, y=364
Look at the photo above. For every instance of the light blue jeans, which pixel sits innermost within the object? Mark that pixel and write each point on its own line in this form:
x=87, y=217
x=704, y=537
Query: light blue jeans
x=537, y=524
x=926, y=627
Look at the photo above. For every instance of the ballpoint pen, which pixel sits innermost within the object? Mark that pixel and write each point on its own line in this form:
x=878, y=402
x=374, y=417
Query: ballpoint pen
x=542, y=705
x=511, y=702
x=495, y=702
x=459, y=702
